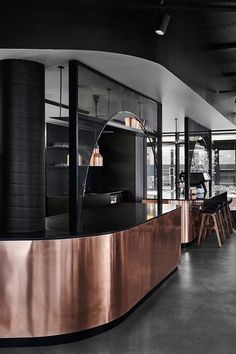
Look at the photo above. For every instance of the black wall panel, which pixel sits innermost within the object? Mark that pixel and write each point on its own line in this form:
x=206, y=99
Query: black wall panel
x=123, y=156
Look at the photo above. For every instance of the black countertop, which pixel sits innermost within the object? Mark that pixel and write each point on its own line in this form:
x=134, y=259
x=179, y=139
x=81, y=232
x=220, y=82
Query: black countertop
x=168, y=195
x=100, y=221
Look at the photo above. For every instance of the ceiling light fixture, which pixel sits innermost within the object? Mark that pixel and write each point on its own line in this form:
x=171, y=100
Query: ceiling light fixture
x=161, y=29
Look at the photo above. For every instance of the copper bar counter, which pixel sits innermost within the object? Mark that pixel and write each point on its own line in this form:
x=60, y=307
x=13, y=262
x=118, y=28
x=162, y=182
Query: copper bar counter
x=55, y=286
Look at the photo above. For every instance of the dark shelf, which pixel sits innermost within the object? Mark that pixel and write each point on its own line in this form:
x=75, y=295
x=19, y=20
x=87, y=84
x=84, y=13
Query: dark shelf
x=49, y=166
x=58, y=167
x=131, y=129
x=114, y=124
x=58, y=147
x=124, y=127
x=65, y=148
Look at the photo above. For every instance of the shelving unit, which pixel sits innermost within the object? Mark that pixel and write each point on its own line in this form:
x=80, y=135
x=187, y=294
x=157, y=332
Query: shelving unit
x=56, y=153
x=117, y=158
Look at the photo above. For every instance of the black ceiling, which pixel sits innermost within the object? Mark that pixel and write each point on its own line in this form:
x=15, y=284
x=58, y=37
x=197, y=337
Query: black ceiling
x=127, y=26
x=217, y=22
x=216, y=18
x=220, y=29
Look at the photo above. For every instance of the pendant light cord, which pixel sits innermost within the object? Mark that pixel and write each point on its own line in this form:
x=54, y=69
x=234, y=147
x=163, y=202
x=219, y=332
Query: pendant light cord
x=60, y=93
x=176, y=130
x=108, y=101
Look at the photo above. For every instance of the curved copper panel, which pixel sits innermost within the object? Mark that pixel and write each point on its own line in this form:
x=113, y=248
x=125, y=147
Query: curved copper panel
x=187, y=225
x=190, y=218
x=51, y=287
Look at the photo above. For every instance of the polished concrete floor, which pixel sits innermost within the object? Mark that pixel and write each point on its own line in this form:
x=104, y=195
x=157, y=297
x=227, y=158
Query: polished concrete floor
x=193, y=312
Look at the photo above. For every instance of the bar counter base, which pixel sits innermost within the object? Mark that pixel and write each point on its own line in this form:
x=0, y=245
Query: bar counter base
x=188, y=244
x=78, y=336
x=54, y=287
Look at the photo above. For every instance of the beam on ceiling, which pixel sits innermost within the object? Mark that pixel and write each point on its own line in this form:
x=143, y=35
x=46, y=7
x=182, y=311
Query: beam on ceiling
x=233, y=73
x=223, y=46
x=196, y=7
x=227, y=91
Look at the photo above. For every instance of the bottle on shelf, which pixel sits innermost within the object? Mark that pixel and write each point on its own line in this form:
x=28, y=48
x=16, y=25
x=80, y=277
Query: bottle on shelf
x=79, y=160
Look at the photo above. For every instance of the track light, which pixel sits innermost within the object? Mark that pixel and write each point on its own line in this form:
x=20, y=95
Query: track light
x=163, y=25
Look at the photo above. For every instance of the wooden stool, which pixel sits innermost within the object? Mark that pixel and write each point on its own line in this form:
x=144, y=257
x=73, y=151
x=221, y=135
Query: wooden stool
x=211, y=220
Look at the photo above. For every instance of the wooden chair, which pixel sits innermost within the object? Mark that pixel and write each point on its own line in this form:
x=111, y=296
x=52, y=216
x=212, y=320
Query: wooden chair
x=212, y=221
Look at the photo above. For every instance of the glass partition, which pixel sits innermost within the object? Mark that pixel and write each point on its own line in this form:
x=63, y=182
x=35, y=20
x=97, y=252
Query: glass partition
x=56, y=139
x=151, y=171
x=198, y=159
x=168, y=170
x=121, y=116
x=173, y=165
x=224, y=162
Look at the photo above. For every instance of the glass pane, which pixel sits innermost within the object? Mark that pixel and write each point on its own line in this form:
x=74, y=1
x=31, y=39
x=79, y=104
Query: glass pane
x=102, y=98
x=168, y=170
x=226, y=159
x=57, y=140
x=151, y=169
x=223, y=166
x=107, y=108
x=181, y=158
x=199, y=160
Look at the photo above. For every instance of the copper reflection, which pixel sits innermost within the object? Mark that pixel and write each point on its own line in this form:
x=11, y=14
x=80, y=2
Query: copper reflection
x=190, y=217
x=51, y=287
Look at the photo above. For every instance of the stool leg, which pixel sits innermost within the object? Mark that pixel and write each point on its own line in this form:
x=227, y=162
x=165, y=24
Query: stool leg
x=232, y=226
x=201, y=230
x=222, y=229
x=216, y=227
x=224, y=224
x=226, y=218
x=205, y=229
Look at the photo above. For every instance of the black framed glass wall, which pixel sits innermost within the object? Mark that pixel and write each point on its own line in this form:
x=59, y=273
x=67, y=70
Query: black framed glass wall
x=110, y=141
x=224, y=162
x=198, y=157
x=186, y=154
x=173, y=165
x=57, y=139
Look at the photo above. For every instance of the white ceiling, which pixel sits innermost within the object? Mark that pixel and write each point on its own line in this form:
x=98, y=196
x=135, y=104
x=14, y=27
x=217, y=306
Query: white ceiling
x=147, y=77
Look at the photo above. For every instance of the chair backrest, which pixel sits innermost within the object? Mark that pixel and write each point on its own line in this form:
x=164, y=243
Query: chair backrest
x=214, y=202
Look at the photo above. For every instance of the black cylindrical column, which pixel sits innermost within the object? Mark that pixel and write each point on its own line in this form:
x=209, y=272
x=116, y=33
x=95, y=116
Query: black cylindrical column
x=22, y=147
